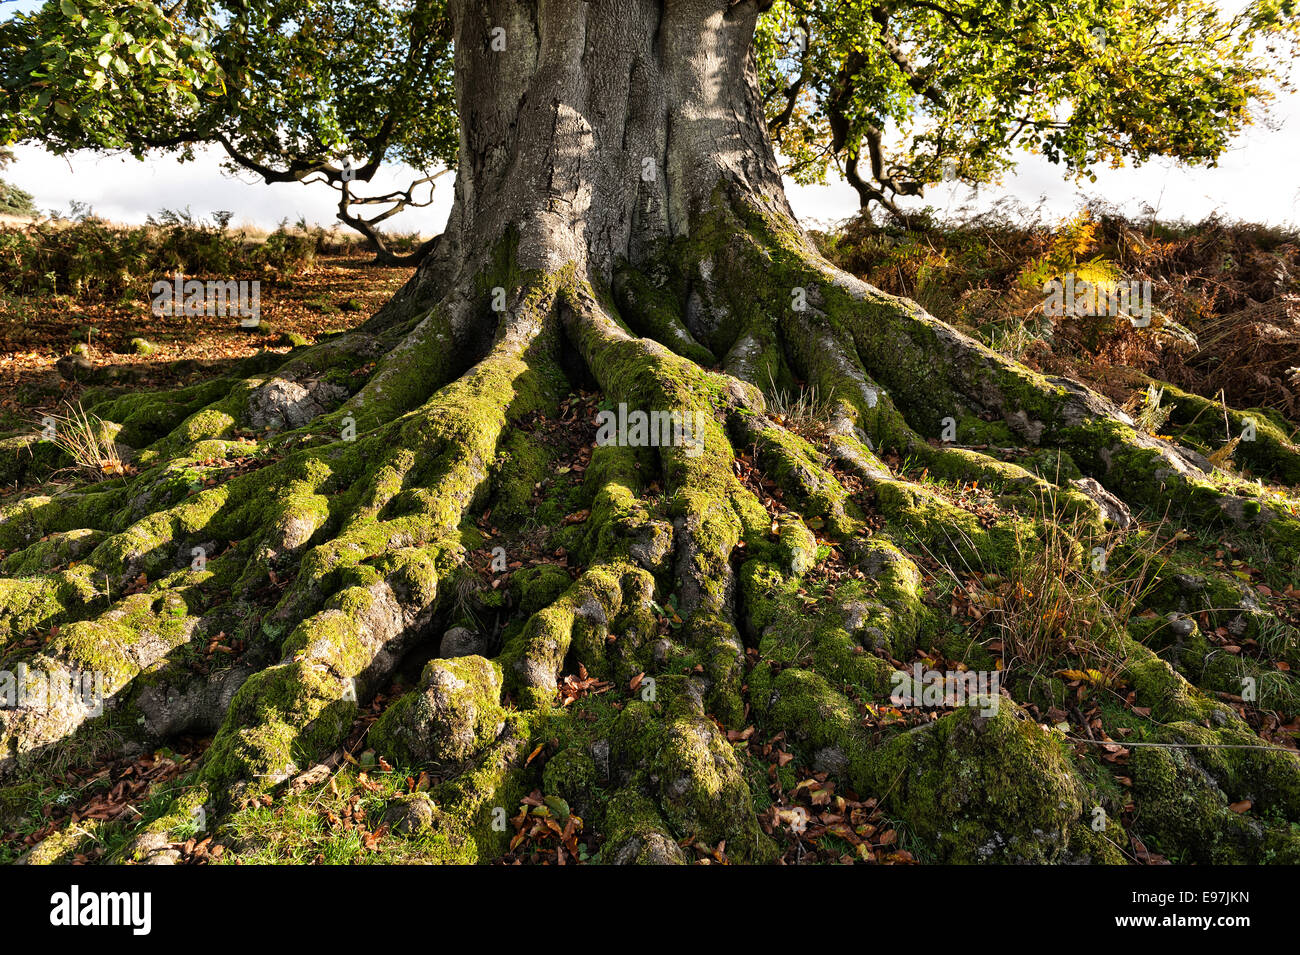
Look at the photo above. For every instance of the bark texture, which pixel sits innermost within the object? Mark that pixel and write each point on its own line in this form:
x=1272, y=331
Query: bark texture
x=619, y=227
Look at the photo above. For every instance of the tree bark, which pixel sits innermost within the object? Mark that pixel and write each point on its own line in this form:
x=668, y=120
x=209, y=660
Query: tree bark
x=595, y=132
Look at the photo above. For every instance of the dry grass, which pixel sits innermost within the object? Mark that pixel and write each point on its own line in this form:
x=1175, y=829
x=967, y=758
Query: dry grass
x=806, y=412
x=87, y=440
x=1070, y=600
x=1226, y=295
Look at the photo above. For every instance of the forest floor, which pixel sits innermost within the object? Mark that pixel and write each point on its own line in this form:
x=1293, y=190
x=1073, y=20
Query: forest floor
x=333, y=294
x=1230, y=329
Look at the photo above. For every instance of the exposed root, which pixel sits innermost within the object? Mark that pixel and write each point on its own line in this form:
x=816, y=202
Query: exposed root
x=665, y=619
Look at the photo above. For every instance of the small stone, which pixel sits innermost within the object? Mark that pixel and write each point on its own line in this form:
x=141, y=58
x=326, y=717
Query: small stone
x=74, y=367
x=411, y=814
x=856, y=613
x=1112, y=508
x=830, y=759
x=291, y=404
x=462, y=642
x=600, y=754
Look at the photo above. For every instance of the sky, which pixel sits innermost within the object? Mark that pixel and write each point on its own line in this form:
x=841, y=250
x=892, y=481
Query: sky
x=1257, y=180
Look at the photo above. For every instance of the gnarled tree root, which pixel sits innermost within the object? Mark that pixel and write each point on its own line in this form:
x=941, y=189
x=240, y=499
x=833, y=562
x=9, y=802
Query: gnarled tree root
x=768, y=579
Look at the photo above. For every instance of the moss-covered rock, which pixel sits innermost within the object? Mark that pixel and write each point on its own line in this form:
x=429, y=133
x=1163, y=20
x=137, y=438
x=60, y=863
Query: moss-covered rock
x=694, y=776
x=982, y=788
x=453, y=716
x=1185, y=813
x=635, y=834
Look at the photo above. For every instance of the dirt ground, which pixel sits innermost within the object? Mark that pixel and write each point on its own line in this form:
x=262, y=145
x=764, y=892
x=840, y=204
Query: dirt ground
x=338, y=292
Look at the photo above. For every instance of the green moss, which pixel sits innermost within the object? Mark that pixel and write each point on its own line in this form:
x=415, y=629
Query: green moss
x=572, y=775
x=16, y=456
x=636, y=834
x=817, y=716
x=55, y=551
x=653, y=311
x=453, y=715
x=579, y=619
x=981, y=788
x=1157, y=685
x=534, y=588
x=1241, y=765
x=1090, y=847
x=1199, y=421
x=695, y=777
x=473, y=805
x=1184, y=813
x=149, y=416
x=58, y=848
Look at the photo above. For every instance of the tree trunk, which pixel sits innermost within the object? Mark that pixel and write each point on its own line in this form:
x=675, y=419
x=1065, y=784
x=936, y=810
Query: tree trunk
x=661, y=636
x=591, y=134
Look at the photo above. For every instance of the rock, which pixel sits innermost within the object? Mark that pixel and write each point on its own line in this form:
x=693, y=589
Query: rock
x=600, y=754
x=411, y=814
x=142, y=347
x=651, y=544
x=637, y=834
x=75, y=367
x=281, y=404
x=463, y=642
x=1030, y=429
x=1183, y=805
x=796, y=544
x=1112, y=508
x=856, y=614
x=154, y=848
x=651, y=848
x=830, y=759
x=982, y=784
x=312, y=777
x=455, y=714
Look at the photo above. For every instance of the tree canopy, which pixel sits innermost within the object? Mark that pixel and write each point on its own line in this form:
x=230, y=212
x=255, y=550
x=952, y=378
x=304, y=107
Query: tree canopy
x=902, y=93
x=294, y=90
x=894, y=94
